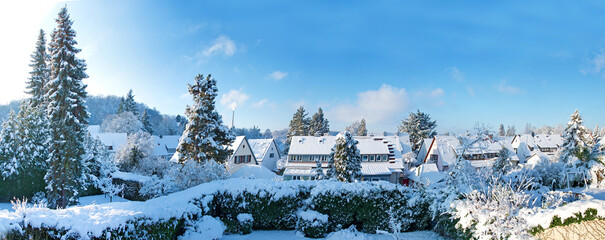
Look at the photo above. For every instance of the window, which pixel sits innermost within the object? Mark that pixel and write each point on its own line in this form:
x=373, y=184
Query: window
x=371, y=157
x=385, y=158
x=110, y=147
x=271, y=155
x=364, y=158
x=434, y=157
x=244, y=146
x=377, y=157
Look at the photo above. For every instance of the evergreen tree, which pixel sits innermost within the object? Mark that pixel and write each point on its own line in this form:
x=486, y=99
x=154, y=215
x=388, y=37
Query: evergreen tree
x=299, y=126
x=267, y=134
x=345, y=159
x=67, y=116
x=39, y=74
x=596, y=134
x=419, y=126
x=362, y=131
x=502, y=164
x=9, y=165
x=501, y=131
x=318, y=125
x=576, y=138
x=510, y=132
x=146, y=124
x=353, y=128
x=121, y=106
x=318, y=170
x=205, y=136
x=129, y=104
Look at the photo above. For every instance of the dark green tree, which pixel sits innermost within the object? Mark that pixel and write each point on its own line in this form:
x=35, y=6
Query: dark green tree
x=67, y=116
x=318, y=124
x=299, y=126
x=419, y=126
x=344, y=162
x=205, y=137
x=146, y=124
x=39, y=75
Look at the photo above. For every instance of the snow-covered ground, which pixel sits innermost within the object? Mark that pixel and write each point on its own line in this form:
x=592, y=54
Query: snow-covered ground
x=88, y=200
x=344, y=234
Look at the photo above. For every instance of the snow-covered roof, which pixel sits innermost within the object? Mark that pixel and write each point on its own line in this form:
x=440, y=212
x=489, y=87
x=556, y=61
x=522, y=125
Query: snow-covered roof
x=254, y=171
x=259, y=147
x=310, y=145
x=238, y=141
x=298, y=172
x=165, y=145
x=446, y=147
x=426, y=173
x=536, y=158
x=115, y=140
x=375, y=169
x=130, y=176
x=527, y=139
x=548, y=140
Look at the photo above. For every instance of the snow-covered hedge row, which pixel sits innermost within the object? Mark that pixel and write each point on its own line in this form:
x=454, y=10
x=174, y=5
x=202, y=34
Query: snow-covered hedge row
x=261, y=204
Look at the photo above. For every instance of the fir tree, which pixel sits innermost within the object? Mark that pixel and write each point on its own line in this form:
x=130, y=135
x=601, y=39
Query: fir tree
x=121, y=106
x=362, y=131
x=419, y=126
x=67, y=116
x=9, y=165
x=129, y=105
x=318, y=170
x=299, y=126
x=39, y=74
x=502, y=164
x=501, y=131
x=205, y=136
x=576, y=138
x=345, y=159
x=318, y=125
x=146, y=124
x=267, y=134
x=510, y=132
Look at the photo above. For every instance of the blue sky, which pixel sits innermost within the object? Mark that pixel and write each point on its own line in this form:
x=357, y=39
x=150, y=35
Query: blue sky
x=462, y=62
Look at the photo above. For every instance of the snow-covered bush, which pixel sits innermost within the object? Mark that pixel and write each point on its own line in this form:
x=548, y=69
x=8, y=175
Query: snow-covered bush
x=137, y=155
x=597, y=175
x=245, y=222
x=312, y=223
x=493, y=212
x=124, y=122
x=182, y=176
x=205, y=228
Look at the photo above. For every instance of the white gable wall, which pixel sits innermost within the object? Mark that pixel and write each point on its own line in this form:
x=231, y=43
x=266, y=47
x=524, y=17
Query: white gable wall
x=243, y=149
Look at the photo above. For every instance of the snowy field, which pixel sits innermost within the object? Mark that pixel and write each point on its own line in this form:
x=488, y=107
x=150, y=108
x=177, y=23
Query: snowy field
x=88, y=200
x=344, y=234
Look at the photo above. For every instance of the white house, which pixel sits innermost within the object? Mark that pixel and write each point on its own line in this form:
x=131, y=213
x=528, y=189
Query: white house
x=442, y=151
x=242, y=154
x=527, y=145
x=112, y=141
x=426, y=174
x=266, y=152
x=165, y=146
x=381, y=157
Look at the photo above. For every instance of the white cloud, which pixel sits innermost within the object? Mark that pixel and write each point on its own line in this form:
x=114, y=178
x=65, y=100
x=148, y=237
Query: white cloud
x=234, y=98
x=260, y=103
x=503, y=87
x=278, y=75
x=595, y=64
x=376, y=106
x=437, y=92
x=470, y=90
x=222, y=45
x=455, y=73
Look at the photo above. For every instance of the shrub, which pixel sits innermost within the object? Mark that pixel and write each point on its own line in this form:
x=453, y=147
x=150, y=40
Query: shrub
x=312, y=224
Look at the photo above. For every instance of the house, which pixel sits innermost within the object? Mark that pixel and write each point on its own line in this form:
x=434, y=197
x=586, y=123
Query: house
x=443, y=151
x=266, y=152
x=381, y=157
x=165, y=146
x=112, y=141
x=242, y=154
x=526, y=145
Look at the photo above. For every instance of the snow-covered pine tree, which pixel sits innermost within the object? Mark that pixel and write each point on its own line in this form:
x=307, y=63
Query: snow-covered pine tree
x=346, y=158
x=576, y=138
x=121, y=106
x=362, y=131
x=318, y=124
x=9, y=165
x=39, y=74
x=419, y=126
x=299, y=126
x=205, y=137
x=502, y=164
x=67, y=116
x=511, y=132
x=596, y=134
x=501, y=131
x=318, y=171
x=146, y=124
x=32, y=152
x=129, y=104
